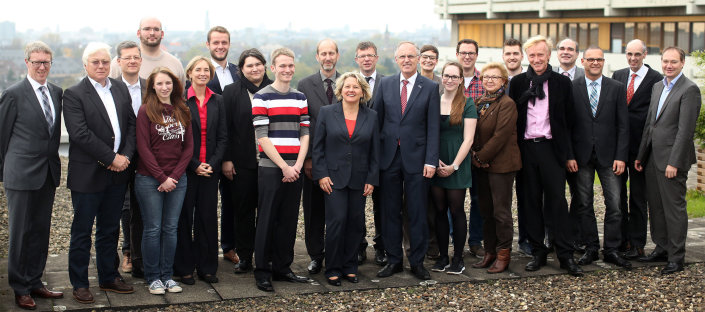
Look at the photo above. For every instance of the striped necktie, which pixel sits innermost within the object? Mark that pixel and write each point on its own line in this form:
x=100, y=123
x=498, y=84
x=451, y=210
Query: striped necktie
x=46, y=108
x=593, y=97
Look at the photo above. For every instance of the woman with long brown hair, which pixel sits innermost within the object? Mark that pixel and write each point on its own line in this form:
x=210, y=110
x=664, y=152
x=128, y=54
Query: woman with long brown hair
x=165, y=146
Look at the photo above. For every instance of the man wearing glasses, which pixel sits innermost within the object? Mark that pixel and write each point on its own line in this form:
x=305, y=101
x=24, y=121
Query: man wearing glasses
x=429, y=60
x=30, y=128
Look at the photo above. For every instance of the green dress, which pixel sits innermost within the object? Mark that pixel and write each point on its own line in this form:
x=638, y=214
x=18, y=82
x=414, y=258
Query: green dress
x=451, y=139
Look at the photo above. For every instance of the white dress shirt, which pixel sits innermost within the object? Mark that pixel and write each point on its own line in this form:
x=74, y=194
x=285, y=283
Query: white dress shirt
x=35, y=87
x=409, y=86
x=135, y=94
x=372, y=80
x=223, y=73
x=571, y=72
x=640, y=74
x=107, y=98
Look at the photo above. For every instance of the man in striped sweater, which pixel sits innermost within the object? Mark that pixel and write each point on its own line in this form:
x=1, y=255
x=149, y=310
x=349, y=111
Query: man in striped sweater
x=281, y=121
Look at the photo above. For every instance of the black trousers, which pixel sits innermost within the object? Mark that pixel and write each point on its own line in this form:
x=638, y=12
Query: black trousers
x=197, y=234
x=376, y=207
x=314, y=218
x=243, y=194
x=135, y=225
x=345, y=218
x=278, y=212
x=227, y=226
x=543, y=184
x=634, y=213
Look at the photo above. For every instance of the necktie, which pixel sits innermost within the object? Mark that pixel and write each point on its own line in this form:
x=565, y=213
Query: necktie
x=567, y=74
x=368, y=79
x=593, y=97
x=329, y=90
x=403, y=96
x=47, y=109
x=630, y=89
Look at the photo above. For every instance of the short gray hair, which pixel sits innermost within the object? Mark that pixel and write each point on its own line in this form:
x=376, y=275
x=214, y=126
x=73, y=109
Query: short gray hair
x=92, y=48
x=406, y=42
x=37, y=46
x=129, y=44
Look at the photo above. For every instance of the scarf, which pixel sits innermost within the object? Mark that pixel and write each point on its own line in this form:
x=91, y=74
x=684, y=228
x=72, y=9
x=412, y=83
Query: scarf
x=251, y=86
x=483, y=102
x=536, y=88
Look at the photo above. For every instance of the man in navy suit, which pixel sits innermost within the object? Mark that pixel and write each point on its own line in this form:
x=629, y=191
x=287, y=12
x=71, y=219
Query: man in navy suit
x=408, y=108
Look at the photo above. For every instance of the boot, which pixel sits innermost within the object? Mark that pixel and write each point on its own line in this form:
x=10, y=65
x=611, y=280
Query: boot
x=503, y=259
x=486, y=260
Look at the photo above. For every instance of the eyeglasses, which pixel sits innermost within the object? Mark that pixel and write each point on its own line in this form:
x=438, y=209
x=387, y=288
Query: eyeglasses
x=451, y=78
x=428, y=57
x=410, y=56
x=148, y=29
x=97, y=63
x=366, y=56
x=492, y=78
x=37, y=64
x=593, y=60
x=464, y=54
x=130, y=58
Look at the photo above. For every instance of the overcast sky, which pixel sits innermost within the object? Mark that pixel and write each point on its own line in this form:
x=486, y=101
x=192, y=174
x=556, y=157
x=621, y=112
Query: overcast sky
x=124, y=15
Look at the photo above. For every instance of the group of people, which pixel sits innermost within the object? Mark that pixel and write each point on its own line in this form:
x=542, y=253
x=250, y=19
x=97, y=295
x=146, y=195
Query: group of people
x=152, y=144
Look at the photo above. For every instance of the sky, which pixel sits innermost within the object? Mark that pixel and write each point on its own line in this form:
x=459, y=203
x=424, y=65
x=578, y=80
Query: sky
x=122, y=15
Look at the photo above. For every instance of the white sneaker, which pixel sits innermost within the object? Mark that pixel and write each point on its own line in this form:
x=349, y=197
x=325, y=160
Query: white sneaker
x=156, y=288
x=172, y=286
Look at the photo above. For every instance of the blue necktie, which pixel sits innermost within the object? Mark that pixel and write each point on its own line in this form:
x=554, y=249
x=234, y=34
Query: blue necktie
x=593, y=97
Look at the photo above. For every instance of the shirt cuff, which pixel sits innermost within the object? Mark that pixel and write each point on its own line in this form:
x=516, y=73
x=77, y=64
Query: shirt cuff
x=432, y=166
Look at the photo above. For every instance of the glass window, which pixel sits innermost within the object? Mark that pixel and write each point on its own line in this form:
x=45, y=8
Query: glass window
x=507, y=31
x=543, y=30
x=516, y=32
x=524, y=32
x=641, y=31
x=534, y=30
x=684, y=36
x=573, y=31
x=617, y=42
x=594, y=34
x=654, y=38
x=698, y=37
x=583, y=35
x=669, y=37
x=553, y=32
x=629, y=32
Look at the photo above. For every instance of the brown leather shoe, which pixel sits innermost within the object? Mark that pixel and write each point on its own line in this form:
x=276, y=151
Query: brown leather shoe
x=502, y=262
x=477, y=250
x=117, y=286
x=25, y=302
x=231, y=256
x=83, y=295
x=486, y=260
x=46, y=293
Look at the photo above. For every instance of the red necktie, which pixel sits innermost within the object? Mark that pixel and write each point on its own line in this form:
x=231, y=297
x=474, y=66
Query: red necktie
x=630, y=89
x=403, y=96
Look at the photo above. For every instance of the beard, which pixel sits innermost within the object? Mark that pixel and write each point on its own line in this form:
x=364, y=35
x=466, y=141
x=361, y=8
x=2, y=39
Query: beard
x=146, y=42
x=219, y=59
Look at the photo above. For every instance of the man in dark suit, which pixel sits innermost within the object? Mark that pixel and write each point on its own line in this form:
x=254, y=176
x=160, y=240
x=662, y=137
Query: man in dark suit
x=667, y=152
x=408, y=108
x=30, y=128
x=318, y=89
x=600, y=143
x=639, y=79
x=366, y=58
x=544, y=102
x=101, y=125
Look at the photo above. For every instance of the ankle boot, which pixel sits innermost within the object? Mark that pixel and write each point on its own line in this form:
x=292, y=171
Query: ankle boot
x=503, y=259
x=486, y=260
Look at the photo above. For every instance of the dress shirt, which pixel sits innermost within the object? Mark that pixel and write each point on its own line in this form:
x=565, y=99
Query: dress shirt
x=599, y=87
x=35, y=87
x=135, y=94
x=325, y=85
x=666, y=90
x=640, y=74
x=571, y=72
x=107, y=98
x=223, y=73
x=538, y=124
x=372, y=81
x=409, y=86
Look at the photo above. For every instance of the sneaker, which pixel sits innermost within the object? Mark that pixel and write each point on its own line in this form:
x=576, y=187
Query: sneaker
x=441, y=265
x=457, y=267
x=156, y=288
x=172, y=286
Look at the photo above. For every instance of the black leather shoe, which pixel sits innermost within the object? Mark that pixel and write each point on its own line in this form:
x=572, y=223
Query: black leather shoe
x=361, y=256
x=420, y=272
x=380, y=257
x=264, y=284
x=589, y=256
x=390, y=269
x=290, y=277
x=244, y=266
x=672, y=267
x=334, y=282
x=655, y=257
x=536, y=263
x=188, y=280
x=352, y=279
x=315, y=266
x=634, y=253
x=572, y=267
x=614, y=258
x=137, y=271
x=208, y=278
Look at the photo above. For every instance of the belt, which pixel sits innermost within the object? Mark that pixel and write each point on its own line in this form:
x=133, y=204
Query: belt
x=537, y=140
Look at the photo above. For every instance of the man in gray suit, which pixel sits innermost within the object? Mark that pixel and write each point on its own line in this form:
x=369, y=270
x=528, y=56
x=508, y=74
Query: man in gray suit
x=667, y=152
x=318, y=89
x=30, y=128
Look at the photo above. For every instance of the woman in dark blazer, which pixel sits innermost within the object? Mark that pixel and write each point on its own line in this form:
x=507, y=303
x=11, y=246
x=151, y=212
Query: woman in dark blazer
x=197, y=235
x=345, y=162
x=495, y=154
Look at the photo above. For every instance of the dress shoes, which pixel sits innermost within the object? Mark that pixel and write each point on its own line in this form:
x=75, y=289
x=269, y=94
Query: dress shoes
x=43, y=292
x=380, y=257
x=244, y=266
x=390, y=269
x=486, y=261
x=83, y=295
x=572, y=267
x=264, y=284
x=137, y=271
x=290, y=277
x=477, y=251
x=231, y=256
x=208, y=278
x=117, y=286
x=188, y=280
x=536, y=263
x=351, y=278
x=25, y=302
x=420, y=272
x=672, y=267
x=334, y=282
x=315, y=266
x=634, y=253
x=361, y=256
x=655, y=257
x=614, y=258
x=589, y=256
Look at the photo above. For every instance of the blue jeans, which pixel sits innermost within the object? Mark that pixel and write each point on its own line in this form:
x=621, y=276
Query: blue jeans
x=160, y=216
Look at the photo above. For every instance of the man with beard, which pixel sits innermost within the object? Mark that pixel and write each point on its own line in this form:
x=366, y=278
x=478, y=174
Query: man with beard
x=151, y=34
x=318, y=89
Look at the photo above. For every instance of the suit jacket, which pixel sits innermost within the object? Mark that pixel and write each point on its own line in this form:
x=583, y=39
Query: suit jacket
x=579, y=72
x=216, y=132
x=668, y=137
x=312, y=88
x=560, y=104
x=496, y=137
x=27, y=146
x=608, y=132
x=417, y=132
x=91, y=136
x=639, y=106
x=349, y=162
x=214, y=84
x=242, y=147
x=378, y=81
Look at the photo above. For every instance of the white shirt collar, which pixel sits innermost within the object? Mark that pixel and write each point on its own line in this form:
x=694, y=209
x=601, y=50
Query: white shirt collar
x=411, y=79
x=97, y=85
x=35, y=84
x=640, y=73
x=216, y=65
x=129, y=86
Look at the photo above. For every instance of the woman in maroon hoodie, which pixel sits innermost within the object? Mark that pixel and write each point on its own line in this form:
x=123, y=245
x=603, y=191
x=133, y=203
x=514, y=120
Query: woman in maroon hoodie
x=165, y=146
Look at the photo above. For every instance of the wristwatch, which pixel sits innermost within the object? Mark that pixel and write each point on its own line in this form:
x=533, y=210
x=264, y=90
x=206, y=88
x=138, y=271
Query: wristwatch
x=455, y=167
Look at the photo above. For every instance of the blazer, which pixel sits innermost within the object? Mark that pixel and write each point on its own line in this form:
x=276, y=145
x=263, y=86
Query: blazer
x=417, y=132
x=242, y=147
x=668, y=137
x=214, y=84
x=312, y=88
x=216, y=132
x=579, y=72
x=378, y=81
x=639, y=106
x=608, y=132
x=349, y=162
x=496, y=137
x=560, y=104
x=28, y=148
x=91, y=136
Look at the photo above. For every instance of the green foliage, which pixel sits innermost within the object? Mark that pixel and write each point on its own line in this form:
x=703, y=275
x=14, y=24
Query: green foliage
x=696, y=204
x=699, y=57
